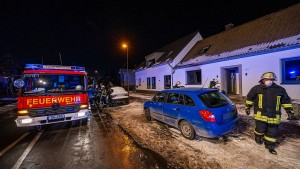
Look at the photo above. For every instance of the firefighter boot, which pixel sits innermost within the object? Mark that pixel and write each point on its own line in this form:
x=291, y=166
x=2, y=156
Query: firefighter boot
x=258, y=139
x=271, y=149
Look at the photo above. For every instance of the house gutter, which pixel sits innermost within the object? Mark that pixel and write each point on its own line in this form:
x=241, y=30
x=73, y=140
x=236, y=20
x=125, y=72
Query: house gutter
x=239, y=56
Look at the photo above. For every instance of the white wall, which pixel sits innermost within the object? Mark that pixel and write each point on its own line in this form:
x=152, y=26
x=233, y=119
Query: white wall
x=254, y=66
x=158, y=72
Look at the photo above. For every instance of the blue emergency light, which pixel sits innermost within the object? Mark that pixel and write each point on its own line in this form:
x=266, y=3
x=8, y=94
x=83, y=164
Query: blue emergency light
x=54, y=67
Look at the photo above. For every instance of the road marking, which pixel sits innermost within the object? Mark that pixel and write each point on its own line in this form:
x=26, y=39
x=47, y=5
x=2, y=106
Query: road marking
x=12, y=144
x=23, y=156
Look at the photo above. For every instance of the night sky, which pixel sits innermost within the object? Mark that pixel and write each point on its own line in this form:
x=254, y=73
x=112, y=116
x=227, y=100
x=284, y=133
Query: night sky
x=90, y=32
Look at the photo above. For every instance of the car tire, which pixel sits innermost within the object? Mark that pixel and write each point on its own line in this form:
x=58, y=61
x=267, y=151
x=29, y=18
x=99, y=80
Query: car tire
x=187, y=130
x=147, y=114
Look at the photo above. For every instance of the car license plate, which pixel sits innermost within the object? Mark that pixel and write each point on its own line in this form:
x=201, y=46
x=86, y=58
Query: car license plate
x=55, y=117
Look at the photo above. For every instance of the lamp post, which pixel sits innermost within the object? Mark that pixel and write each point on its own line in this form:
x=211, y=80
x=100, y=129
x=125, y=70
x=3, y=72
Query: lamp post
x=126, y=46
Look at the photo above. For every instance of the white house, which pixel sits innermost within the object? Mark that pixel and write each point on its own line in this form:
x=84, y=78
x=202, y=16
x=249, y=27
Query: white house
x=156, y=72
x=237, y=57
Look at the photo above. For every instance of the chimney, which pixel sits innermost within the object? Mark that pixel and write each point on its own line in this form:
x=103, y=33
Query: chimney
x=229, y=26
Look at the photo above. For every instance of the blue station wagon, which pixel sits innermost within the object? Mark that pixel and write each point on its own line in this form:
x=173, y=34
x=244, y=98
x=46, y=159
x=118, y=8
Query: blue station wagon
x=194, y=111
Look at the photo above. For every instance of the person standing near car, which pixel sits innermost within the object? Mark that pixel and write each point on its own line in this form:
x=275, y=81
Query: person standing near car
x=267, y=99
x=177, y=85
x=103, y=94
x=213, y=84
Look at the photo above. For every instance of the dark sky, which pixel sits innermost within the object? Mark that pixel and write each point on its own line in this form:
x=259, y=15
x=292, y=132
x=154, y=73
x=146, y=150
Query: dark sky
x=90, y=32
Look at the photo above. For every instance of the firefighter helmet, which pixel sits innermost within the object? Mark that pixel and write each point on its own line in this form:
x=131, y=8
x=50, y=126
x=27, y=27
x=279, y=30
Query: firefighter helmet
x=268, y=75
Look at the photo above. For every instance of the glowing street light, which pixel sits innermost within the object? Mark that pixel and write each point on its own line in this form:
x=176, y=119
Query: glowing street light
x=126, y=47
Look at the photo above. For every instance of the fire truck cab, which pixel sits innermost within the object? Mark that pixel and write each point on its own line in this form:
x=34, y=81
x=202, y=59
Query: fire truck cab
x=52, y=94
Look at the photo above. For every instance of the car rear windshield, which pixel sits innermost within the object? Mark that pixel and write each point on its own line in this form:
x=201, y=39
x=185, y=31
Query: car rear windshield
x=213, y=99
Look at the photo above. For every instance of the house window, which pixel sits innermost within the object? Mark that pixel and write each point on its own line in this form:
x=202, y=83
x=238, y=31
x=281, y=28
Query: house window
x=193, y=77
x=140, y=82
x=291, y=70
x=202, y=50
x=167, y=81
x=148, y=83
x=150, y=62
x=153, y=83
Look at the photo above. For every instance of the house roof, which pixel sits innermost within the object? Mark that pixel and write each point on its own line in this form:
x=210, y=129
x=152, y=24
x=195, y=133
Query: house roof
x=171, y=50
x=276, y=30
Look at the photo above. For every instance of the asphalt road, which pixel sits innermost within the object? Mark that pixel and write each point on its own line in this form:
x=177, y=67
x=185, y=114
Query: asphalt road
x=101, y=143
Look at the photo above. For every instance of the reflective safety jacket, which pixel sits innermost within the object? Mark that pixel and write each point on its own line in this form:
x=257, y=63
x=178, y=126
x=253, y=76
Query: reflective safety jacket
x=212, y=85
x=267, y=102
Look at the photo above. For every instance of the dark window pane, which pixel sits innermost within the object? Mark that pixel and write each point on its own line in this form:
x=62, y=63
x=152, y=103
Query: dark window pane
x=188, y=101
x=167, y=82
x=148, y=83
x=153, y=83
x=194, y=77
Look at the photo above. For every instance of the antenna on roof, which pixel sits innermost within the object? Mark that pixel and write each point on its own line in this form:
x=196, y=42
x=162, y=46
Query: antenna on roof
x=60, y=58
x=204, y=83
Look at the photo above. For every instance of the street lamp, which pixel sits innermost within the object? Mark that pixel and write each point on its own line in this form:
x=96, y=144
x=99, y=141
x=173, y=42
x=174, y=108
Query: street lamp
x=126, y=46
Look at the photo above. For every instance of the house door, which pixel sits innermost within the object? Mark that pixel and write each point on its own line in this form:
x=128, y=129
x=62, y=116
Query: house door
x=231, y=79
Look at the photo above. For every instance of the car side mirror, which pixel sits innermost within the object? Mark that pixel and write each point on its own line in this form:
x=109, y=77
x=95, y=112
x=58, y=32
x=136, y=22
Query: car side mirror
x=19, y=83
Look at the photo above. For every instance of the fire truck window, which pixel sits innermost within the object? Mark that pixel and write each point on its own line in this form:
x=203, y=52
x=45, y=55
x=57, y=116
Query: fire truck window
x=61, y=79
x=53, y=83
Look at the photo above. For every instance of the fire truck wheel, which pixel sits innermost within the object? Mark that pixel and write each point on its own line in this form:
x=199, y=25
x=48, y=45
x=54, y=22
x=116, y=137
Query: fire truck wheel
x=84, y=121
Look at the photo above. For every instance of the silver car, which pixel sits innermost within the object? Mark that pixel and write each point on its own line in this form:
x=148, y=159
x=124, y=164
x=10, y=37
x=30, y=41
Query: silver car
x=118, y=95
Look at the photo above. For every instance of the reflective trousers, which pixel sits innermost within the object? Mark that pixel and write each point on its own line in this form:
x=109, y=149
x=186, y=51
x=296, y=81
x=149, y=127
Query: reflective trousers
x=267, y=131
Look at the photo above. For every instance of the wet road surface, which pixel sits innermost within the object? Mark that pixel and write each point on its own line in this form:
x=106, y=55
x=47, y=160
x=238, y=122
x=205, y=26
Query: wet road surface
x=101, y=143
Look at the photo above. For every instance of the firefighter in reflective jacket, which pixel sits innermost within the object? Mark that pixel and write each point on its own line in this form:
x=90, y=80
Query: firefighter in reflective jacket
x=213, y=84
x=267, y=99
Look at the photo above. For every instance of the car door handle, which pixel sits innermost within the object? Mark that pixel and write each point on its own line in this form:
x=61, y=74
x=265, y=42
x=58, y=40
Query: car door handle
x=177, y=109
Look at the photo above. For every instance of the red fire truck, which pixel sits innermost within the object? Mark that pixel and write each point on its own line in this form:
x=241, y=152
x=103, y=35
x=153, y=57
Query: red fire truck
x=52, y=94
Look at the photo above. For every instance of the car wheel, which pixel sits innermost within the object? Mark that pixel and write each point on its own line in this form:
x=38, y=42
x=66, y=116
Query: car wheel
x=147, y=114
x=187, y=130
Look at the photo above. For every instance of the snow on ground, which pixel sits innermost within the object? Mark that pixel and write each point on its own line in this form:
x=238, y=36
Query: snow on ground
x=234, y=152
x=8, y=107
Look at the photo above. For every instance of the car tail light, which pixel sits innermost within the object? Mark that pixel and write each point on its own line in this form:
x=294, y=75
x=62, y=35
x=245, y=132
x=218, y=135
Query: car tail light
x=207, y=115
x=112, y=95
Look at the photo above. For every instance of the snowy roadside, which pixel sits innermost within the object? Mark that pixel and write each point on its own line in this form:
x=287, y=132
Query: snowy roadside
x=236, y=152
x=8, y=107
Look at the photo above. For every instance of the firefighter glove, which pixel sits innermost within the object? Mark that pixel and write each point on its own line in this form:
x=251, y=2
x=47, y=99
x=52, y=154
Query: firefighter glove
x=291, y=116
x=248, y=111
